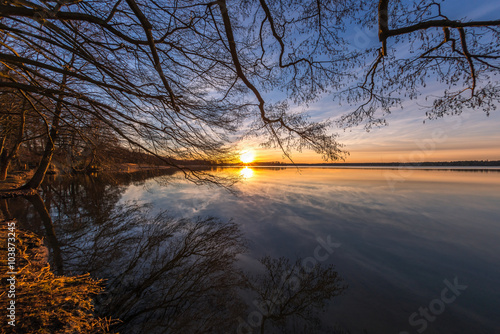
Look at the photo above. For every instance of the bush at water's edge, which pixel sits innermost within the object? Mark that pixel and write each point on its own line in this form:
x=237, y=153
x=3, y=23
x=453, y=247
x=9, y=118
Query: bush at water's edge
x=44, y=302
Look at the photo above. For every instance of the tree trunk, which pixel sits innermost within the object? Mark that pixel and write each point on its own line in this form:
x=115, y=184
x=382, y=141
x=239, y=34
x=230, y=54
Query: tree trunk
x=2, y=144
x=89, y=167
x=37, y=179
x=4, y=165
x=4, y=209
x=6, y=157
x=43, y=212
x=44, y=164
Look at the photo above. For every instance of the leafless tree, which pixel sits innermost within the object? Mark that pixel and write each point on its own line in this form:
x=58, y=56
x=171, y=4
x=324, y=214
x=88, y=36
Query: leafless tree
x=179, y=79
x=169, y=78
x=421, y=45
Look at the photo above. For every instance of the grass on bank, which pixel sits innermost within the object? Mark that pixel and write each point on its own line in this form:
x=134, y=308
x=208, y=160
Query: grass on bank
x=46, y=303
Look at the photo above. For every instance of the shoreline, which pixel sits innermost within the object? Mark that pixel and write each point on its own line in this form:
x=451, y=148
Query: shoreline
x=16, y=179
x=13, y=181
x=41, y=300
x=450, y=168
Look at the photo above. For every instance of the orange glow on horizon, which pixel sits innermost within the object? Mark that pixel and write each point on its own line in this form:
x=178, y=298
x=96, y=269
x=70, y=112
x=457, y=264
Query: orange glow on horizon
x=386, y=156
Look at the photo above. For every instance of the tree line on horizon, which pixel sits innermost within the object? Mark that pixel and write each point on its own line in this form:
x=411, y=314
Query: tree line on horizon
x=469, y=163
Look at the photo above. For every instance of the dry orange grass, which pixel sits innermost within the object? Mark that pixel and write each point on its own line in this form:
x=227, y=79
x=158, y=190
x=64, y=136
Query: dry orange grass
x=46, y=303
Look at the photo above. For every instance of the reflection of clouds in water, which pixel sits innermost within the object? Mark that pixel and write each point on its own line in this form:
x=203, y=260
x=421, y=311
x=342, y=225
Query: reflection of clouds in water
x=332, y=196
x=165, y=274
x=414, y=235
x=183, y=199
x=429, y=226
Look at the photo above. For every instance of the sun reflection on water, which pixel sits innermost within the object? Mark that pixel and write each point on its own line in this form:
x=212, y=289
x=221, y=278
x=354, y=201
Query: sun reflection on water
x=246, y=173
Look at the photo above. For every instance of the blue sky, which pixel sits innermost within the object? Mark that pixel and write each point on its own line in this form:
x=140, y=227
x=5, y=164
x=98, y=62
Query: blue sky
x=470, y=136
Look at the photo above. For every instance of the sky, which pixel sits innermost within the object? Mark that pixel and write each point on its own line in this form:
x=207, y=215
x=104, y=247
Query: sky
x=470, y=136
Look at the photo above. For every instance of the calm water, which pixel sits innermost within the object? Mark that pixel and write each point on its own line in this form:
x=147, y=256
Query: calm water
x=414, y=251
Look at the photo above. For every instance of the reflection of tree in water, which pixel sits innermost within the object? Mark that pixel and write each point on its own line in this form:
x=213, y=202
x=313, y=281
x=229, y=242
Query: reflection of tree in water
x=176, y=276
x=288, y=295
x=89, y=200
x=168, y=275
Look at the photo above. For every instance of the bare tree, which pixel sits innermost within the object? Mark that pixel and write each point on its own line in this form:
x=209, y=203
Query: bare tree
x=169, y=78
x=460, y=54
x=181, y=79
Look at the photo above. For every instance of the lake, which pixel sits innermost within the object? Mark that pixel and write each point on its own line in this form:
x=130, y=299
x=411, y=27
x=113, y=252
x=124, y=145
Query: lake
x=310, y=250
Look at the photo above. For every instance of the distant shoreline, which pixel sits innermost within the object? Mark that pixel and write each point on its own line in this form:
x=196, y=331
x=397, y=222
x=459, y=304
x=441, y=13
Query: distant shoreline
x=492, y=168
x=477, y=169
x=432, y=165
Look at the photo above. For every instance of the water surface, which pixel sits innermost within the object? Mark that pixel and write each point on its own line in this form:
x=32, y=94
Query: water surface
x=397, y=238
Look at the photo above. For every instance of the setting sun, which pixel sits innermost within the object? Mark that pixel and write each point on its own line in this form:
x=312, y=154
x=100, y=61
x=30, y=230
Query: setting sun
x=247, y=157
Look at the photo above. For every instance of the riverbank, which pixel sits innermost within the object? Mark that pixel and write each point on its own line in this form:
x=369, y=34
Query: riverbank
x=130, y=168
x=40, y=301
x=15, y=179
